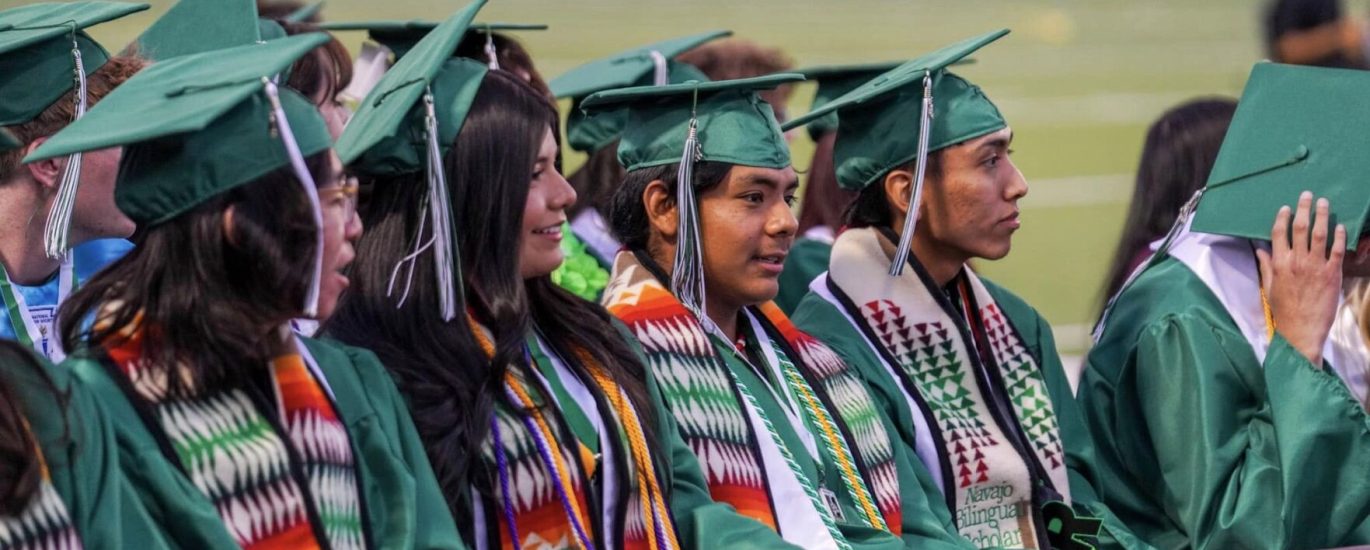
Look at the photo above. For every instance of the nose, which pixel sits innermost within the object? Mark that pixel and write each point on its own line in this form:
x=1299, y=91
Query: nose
x=782, y=222
x=562, y=195
x=353, y=230
x=1017, y=187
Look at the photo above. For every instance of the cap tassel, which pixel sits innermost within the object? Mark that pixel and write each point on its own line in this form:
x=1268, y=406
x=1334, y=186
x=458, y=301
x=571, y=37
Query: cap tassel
x=57, y=230
x=687, y=277
x=901, y=255
x=437, y=211
x=1186, y=212
x=311, y=300
x=490, y=53
x=661, y=71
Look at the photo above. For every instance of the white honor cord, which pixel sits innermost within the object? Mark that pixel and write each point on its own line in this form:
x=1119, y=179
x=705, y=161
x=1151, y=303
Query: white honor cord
x=901, y=256
x=311, y=301
x=58, y=227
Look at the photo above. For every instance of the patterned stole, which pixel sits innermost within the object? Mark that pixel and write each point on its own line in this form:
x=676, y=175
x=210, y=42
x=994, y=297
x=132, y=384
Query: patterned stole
x=44, y=524
x=542, y=489
x=712, y=417
x=995, y=479
x=237, y=458
x=857, y=420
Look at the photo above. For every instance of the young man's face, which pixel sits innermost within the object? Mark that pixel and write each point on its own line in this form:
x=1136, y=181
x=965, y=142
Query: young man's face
x=972, y=208
x=747, y=228
x=95, y=214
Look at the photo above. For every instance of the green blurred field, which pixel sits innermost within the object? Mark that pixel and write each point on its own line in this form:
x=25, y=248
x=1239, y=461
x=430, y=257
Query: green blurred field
x=1078, y=80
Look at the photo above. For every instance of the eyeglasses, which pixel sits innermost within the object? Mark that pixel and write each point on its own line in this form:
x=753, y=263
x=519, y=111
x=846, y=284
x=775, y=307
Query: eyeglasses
x=344, y=194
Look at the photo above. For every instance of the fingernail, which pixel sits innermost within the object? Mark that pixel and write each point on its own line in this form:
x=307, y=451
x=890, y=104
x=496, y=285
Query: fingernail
x=1306, y=195
x=1322, y=202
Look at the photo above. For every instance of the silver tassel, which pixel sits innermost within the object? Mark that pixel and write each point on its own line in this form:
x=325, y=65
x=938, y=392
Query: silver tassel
x=446, y=254
x=1186, y=212
x=292, y=148
x=490, y=54
x=57, y=230
x=687, y=278
x=901, y=255
x=660, y=70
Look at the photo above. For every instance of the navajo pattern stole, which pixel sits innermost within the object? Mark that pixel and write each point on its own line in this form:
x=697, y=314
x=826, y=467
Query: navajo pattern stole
x=528, y=499
x=698, y=391
x=321, y=439
x=235, y=457
x=993, y=482
x=44, y=524
x=855, y=410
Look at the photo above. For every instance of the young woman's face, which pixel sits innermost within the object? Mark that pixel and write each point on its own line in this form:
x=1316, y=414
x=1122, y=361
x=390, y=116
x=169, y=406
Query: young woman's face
x=747, y=228
x=549, y=195
x=342, y=227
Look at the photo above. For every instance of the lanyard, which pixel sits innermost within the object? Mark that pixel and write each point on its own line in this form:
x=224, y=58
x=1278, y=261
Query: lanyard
x=21, y=318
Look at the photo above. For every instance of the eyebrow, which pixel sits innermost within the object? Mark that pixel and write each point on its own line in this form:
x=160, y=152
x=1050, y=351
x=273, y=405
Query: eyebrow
x=771, y=183
x=996, y=143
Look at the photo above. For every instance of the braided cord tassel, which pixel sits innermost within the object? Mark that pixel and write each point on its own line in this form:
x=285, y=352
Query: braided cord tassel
x=57, y=229
x=837, y=447
x=901, y=255
x=502, y=462
x=446, y=251
x=687, y=276
x=655, y=513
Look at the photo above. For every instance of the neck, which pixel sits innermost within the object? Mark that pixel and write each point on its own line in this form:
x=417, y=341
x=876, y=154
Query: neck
x=725, y=316
x=941, y=262
x=23, y=213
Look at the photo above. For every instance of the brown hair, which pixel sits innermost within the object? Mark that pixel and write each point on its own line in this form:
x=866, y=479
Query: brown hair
x=510, y=53
x=20, y=468
x=824, y=202
x=739, y=58
x=310, y=75
x=58, y=115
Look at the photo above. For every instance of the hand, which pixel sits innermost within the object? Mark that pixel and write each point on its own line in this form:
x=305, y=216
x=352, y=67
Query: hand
x=1301, y=278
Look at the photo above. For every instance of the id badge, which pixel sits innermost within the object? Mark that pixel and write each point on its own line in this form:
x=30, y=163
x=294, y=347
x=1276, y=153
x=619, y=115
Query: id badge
x=834, y=507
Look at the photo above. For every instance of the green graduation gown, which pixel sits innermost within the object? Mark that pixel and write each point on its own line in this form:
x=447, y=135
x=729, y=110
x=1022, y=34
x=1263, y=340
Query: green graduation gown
x=403, y=506
x=1199, y=444
x=77, y=442
x=825, y=321
x=808, y=258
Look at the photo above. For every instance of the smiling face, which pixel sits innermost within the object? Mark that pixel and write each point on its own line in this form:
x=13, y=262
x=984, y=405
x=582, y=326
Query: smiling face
x=342, y=227
x=747, y=228
x=549, y=195
x=970, y=209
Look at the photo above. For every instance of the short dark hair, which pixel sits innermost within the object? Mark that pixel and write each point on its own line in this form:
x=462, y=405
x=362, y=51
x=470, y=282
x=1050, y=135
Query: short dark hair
x=628, y=216
x=872, y=209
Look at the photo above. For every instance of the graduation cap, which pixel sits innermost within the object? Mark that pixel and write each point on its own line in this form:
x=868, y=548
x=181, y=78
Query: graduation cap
x=196, y=126
x=1296, y=128
x=41, y=47
x=724, y=121
x=651, y=64
x=834, y=81
x=401, y=36
x=182, y=30
x=406, y=124
x=902, y=115
x=8, y=141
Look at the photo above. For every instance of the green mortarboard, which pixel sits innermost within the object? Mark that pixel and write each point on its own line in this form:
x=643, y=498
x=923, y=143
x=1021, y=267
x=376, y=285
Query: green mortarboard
x=36, y=61
x=901, y=116
x=196, y=126
x=407, y=122
x=184, y=28
x=734, y=125
x=401, y=36
x=305, y=13
x=723, y=121
x=880, y=119
x=1296, y=128
x=834, y=81
x=635, y=67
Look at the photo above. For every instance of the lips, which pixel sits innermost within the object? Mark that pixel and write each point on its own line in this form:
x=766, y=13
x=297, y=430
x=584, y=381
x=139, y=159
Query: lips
x=1012, y=220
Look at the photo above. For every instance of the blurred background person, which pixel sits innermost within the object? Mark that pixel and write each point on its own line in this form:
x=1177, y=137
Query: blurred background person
x=1314, y=32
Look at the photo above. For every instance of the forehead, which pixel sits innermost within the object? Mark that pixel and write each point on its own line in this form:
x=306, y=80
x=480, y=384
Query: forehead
x=744, y=175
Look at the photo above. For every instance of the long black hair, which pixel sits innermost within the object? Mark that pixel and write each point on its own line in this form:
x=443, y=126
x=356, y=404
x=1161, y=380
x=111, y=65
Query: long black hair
x=451, y=385
x=1179, y=152
x=209, y=300
x=20, y=470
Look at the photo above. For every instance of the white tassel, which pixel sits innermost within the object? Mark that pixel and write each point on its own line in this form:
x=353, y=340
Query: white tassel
x=901, y=255
x=292, y=148
x=661, y=71
x=490, y=53
x=1186, y=212
x=57, y=230
x=446, y=253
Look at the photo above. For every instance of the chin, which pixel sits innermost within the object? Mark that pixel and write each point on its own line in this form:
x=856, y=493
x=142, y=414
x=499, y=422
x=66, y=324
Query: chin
x=763, y=293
